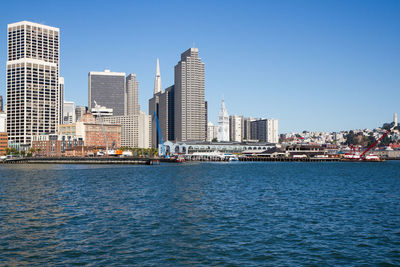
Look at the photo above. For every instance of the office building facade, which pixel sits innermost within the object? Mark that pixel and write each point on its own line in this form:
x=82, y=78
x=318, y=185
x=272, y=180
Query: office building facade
x=247, y=128
x=33, y=92
x=69, y=115
x=265, y=130
x=108, y=90
x=79, y=112
x=190, y=116
x=135, y=129
x=236, y=128
x=132, y=106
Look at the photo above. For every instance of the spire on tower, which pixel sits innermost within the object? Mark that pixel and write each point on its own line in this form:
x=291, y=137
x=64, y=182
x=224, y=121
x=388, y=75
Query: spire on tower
x=157, y=80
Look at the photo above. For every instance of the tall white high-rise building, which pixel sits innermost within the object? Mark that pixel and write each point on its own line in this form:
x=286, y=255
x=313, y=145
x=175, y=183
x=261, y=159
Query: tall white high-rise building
x=69, y=115
x=190, y=106
x=236, y=129
x=223, y=124
x=395, y=120
x=132, y=106
x=33, y=92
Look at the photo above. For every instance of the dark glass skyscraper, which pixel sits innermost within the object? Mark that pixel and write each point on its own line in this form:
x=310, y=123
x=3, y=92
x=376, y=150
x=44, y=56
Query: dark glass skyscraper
x=107, y=89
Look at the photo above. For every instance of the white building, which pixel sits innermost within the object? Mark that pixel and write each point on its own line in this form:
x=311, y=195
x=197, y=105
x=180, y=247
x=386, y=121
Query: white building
x=135, y=129
x=395, y=120
x=33, y=92
x=3, y=122
x=236, y=129
x=223, y=124
x=101, y=110
x=212, y=131
x=69, y=115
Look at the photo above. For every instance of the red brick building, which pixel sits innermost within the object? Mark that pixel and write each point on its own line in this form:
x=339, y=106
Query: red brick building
x=3, y=143
x=46, y=145
x=92, y=132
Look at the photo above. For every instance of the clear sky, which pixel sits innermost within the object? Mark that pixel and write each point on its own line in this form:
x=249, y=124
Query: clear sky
x=314, y=65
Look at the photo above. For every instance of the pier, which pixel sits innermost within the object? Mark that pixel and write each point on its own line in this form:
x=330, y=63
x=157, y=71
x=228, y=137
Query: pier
x=82, y=160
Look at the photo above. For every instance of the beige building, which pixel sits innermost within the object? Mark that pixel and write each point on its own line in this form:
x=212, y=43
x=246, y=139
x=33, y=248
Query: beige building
x=190, y=108
x=135, y=129
x=132, y=106
x=236, y=128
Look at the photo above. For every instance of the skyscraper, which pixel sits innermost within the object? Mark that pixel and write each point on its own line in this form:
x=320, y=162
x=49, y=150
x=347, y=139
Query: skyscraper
x=223, y=124
x=33, y=92
x=190, y=117
x=1, y=103
x=395, y=120
x=108, y=90
x=132, y=95
x=162, y=103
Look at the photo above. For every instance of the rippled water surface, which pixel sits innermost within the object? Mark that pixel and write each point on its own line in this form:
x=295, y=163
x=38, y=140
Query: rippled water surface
x=246, y=214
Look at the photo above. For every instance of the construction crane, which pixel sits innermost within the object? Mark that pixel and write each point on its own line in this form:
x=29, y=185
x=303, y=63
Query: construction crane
x=96, y=106
x=159, y=133
x=362, y=156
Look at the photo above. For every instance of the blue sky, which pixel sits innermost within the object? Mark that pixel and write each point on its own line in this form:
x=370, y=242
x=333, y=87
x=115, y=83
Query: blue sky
x=314, y=65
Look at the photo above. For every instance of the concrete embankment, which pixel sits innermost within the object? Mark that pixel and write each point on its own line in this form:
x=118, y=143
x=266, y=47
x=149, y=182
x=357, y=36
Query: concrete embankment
x=80, y=160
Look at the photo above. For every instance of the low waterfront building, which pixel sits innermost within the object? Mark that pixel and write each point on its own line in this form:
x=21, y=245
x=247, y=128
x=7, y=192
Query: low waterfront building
x=274, y=152
x=3, y=143
x=307, y=150
x=175, y=148
x=47, y=145
x=80, y=151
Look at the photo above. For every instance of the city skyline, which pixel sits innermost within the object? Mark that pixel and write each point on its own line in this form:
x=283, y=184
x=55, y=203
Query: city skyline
x=338, y=72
